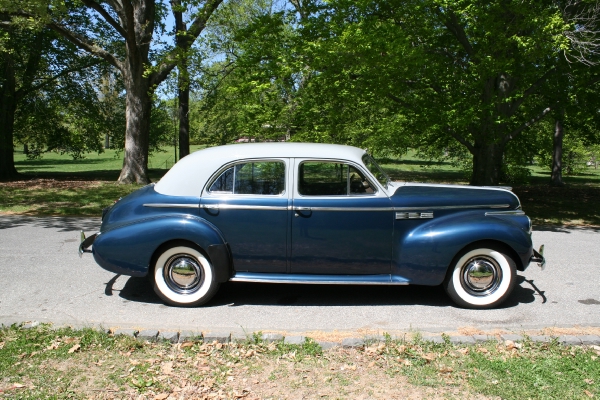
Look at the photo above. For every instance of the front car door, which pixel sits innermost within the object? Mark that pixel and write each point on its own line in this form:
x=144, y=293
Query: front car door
x=342, y=221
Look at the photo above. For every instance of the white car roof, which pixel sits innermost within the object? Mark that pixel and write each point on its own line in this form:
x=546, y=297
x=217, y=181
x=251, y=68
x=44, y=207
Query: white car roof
x=189, y=175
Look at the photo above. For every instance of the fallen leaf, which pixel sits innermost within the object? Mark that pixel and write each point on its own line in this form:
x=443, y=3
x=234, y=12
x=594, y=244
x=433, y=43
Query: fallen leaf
x=509, y=344
x=53, y=346
x=589, y=381
x=18, y=386
x=1, y=345
x=429, y=357
x=167, y=368
x=187, y=344
x=161, y=396
x=75, y=348
x=444, y=369
x=588, y=393
x=69, y=340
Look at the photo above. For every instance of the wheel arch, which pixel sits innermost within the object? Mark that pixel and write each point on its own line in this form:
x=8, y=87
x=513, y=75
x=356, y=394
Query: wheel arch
x=487, y=243
x=219, y=255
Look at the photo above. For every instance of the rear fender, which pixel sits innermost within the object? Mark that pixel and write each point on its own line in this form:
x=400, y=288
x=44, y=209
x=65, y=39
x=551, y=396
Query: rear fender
x=425, y=249
x=129, y=249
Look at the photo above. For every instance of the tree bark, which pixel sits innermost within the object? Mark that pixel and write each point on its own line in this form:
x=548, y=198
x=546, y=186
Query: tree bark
x=8, y=106
x=184, y=117
x=557, y=145
x=137, y=127
x=487, y=164
x=183, y=80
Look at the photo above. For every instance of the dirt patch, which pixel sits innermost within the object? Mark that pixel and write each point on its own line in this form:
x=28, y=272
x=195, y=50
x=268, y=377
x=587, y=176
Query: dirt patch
x=32, y=184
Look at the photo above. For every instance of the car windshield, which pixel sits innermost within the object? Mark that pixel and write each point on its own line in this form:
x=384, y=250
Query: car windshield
x=376, y=170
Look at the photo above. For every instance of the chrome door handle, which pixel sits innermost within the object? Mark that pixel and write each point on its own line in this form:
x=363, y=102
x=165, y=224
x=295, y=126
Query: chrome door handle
x=210, y=206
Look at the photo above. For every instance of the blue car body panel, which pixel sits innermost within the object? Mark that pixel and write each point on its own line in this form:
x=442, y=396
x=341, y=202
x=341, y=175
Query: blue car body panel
x=424, y=249
x=257, y=237
x=342, y=236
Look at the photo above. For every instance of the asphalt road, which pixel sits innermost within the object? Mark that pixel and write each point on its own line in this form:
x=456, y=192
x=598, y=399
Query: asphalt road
x=43, y=279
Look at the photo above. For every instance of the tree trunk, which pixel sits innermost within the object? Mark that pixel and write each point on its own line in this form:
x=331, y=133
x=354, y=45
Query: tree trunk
x=8, y=107
x=184, y=112
x=137, y=128
x=487, y=164
x=183, y=80
x=557, y=144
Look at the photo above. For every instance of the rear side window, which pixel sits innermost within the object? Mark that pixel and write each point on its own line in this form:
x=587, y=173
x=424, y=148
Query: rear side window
x=332, y=179
x=267, y=178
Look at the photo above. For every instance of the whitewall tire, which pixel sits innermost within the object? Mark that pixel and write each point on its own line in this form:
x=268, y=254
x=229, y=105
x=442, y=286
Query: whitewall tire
x=184, y=277
x=481, y=278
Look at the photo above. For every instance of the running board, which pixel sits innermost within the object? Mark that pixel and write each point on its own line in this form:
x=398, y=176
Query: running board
x=319, y=279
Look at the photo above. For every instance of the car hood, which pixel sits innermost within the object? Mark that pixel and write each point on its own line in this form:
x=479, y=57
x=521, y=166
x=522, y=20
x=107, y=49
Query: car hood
x=423, y=195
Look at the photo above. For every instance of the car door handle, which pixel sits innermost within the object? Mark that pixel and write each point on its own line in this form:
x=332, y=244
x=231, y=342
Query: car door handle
x=210, y=206
x=302, y=208
x=296, y=209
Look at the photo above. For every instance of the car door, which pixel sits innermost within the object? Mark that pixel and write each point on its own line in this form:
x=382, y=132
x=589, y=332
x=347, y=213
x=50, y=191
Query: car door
x=248, y=202
x=342, y=221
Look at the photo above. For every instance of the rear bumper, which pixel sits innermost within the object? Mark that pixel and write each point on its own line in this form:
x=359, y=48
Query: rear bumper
x=84, y=246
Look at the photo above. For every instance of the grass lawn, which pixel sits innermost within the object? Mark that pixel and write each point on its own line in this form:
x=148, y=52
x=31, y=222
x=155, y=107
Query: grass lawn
x=59, y=185
x=66, y=363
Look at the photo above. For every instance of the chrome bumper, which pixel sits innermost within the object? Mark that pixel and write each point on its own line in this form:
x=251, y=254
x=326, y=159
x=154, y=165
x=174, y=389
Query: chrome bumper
x=538, y=257
x=86, y=243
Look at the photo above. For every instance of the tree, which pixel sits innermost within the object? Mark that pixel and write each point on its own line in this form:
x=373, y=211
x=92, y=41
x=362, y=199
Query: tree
x=467, y=73
x=30, y=69
x=122, y=34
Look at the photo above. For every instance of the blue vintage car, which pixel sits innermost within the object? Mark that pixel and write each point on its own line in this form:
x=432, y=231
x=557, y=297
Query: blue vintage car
x=313, y=214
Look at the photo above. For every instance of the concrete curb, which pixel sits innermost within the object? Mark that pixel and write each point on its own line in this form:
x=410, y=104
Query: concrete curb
x=153, y=335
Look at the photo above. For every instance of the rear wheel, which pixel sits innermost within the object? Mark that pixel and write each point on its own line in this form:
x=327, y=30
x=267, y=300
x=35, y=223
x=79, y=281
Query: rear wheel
x=481, y=278
x=184, y=277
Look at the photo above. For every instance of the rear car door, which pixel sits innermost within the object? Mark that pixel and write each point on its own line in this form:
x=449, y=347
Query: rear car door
x=248, y=202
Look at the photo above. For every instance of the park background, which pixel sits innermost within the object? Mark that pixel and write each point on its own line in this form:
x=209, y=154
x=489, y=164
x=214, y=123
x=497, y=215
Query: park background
x=487, y=93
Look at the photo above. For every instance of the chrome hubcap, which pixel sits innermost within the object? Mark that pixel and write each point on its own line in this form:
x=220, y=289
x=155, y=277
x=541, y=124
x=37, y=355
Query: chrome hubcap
x=481, y=276
x=183, y=274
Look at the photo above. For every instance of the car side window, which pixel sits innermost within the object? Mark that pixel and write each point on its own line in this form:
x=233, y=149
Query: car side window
x=266, y=178
x=331, y=179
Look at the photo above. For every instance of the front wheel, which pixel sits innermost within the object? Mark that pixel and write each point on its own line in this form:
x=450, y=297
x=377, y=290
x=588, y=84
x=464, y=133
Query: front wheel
x=184, y=277
x=481, y=278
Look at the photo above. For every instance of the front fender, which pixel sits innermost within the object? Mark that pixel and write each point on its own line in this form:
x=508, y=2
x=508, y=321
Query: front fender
x=128, y=249
x=425, y=249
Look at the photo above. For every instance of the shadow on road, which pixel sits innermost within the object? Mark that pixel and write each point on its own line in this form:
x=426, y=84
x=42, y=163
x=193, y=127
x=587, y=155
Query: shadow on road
x=234, y=294
x=63, y=224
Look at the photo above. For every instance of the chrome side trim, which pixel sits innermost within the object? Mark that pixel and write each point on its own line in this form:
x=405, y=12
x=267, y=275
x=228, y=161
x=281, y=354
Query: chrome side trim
x=452, y=207
x=414, y=215
x=170, y=205
x=510, y=212
x=242, y=207
x=343, y=209
x=325, y=281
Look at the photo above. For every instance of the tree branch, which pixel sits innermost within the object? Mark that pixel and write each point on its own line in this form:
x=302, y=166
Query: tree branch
x=461, y=139
x=24, y=92
x=86, y=45
x=529, y=123
x=196, y=27
x=455, y=28
x=95, y=6
x=531, y=89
